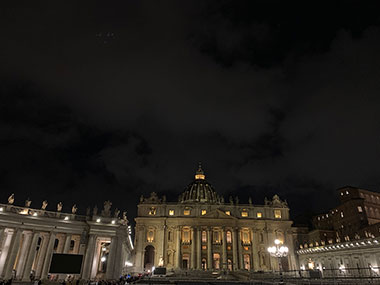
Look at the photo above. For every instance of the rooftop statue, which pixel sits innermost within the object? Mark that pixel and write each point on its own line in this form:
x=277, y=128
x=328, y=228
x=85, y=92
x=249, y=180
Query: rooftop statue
x=59, y=207
x=11, y=199
x=95, y=211
x=74, y=209
x=107, y=209
x=44, y=204
x=28, y=203
x=116, y=213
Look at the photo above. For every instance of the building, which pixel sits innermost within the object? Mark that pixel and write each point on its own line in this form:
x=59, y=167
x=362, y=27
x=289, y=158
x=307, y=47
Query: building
x=203, y=232
x=357, y=215
x=30, y=238
x=345, y=239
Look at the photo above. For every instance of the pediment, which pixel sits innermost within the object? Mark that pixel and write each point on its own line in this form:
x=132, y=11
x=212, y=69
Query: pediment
x=218, y=214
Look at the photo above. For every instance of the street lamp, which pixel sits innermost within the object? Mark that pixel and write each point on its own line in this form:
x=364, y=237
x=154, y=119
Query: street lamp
x=279, y=251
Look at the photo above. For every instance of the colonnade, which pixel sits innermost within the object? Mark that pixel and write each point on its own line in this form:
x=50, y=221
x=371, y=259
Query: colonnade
x=23, y=252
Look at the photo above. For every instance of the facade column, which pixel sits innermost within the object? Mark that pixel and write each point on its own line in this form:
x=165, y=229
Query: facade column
x=199, y=248
x=270, y=241
x=15, y=245
x=192, y=263
x=235, y=261
x=24, y=249
x=240, y=248
x=164, y=246
x=66, y=247
x=111, y=258
x=178, y=248
x=31, y=256
x=224, y=249
x=254, y=251
x=209, y=249
x=88, y=257
x=48, y=256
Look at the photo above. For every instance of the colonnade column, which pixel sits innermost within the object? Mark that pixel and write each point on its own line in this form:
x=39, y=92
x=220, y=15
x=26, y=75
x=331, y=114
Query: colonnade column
x=6, y=244
x=48, y=256
x=111, y=258
x=66, y=247
x=224, y=250
x=41, y=254
x=209, y=249
x=235, y=262
x=31, y=256
x=88, y=257
x=178, y=247
x=24, y=249
x=192, y=259
x=15, y=244
x=199, y=248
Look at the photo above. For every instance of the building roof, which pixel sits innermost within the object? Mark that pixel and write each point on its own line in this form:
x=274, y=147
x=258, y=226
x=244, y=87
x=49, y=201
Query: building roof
x=200, y=190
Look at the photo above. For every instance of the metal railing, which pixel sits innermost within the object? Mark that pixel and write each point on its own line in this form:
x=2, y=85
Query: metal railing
x=352, y=275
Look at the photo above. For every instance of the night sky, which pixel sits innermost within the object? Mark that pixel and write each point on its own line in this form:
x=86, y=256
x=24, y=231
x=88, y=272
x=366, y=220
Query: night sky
x=111, y=100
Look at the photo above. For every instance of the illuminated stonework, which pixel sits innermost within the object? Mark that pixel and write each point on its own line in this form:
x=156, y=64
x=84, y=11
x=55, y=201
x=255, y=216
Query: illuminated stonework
x=203, y=232
x=29, y=238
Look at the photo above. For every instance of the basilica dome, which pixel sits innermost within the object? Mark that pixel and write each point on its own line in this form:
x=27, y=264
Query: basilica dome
x=200, y=191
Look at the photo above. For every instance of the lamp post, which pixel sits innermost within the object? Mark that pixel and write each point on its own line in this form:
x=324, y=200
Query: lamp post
x=279, y=251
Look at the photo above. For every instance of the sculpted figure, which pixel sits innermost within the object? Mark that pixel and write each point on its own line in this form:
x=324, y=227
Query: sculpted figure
x=125, y=215
x=95, y=210
x=237, y=200
x=231, y=200
x=141, y=198
x=59, y=207
x=164, y=199
x=74, y=209
x=250, y=201
x=107, y=209
x=44, y=204
x=28, y=203
x=11, y=199
x=88, y=211
x=117, y=212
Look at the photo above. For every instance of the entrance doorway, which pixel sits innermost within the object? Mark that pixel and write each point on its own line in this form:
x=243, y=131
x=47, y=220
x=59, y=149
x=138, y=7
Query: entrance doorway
x=185, y=261
x=149, y=258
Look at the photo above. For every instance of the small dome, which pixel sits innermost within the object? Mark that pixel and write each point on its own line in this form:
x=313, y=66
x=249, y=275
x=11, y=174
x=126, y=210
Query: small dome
x=200, y=190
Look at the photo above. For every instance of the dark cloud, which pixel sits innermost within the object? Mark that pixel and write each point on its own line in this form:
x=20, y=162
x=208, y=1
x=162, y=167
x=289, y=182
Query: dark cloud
x=114, y=101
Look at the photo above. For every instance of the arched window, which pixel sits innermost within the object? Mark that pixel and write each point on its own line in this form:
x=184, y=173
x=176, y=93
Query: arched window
x=56, y=242
x=204, y=236
x=150, y=236
x=204, y=264
x=229, y=264
x=229, y=237
x=186, y=235
x=216, y=236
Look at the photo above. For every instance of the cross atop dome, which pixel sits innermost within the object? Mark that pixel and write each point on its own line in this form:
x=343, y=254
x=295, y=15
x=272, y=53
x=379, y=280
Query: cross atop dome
x=199, y=174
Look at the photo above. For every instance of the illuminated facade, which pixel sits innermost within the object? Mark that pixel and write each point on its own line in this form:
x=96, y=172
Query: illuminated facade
x=29, y=238
x=203, y=232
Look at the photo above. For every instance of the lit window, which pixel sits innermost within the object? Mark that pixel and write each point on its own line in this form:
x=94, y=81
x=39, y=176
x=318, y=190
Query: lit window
x=204, y=212
x=277, y=214
x=360, y=209
x=229, y=237
x=259, y=215
x=186, y=212
x=152, y=211
x=171, y=212
x=150, y=236
x=245, y=237
x=204, y=236
x=228, y=213
x=244, y=214
x=216, y=237
x=186, y=235
x=341, y=214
